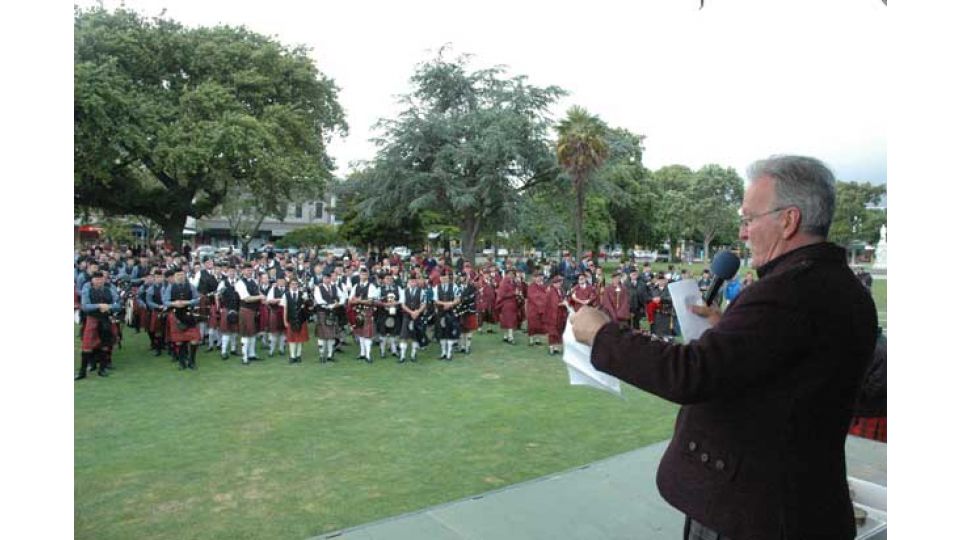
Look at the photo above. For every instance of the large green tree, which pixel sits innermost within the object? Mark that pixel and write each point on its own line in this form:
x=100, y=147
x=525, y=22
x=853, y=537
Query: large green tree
x=714, y=197
x=167, y=119
x=674, y=206
x=466, y=145
x=856, y=218
x=581, y=149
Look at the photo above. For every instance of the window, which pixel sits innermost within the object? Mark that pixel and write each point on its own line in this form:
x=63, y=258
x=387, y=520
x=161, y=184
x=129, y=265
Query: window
x=298, y=211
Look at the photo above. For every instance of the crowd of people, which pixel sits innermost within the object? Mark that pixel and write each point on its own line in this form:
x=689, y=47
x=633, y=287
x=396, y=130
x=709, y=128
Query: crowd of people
x=231, y=304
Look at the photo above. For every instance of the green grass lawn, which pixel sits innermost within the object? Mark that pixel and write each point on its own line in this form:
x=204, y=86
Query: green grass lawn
x=280, y=451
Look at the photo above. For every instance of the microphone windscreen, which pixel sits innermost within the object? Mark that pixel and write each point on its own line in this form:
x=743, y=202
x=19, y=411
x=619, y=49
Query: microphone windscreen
x=725, y=265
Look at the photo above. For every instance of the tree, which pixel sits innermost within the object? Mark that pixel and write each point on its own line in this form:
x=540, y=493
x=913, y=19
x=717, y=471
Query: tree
x=581, y=149
x=852, y=220
x=674, y=207
x=715, y=193
x=466, y=145
x=310, y=236
x=168, y=119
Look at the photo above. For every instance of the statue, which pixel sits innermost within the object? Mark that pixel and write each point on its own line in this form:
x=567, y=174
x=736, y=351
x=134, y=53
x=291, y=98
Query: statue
x=880, y=255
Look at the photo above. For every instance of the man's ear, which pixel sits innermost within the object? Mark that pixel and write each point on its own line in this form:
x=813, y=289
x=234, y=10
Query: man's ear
x=791, y=218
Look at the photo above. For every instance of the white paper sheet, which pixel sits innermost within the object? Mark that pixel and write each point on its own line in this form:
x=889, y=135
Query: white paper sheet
x=686, y=293
x=577, y=357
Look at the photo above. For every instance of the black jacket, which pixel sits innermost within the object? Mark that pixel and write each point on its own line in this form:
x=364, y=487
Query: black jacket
x=767, y=394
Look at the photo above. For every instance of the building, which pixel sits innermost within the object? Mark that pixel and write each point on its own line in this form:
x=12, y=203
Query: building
x=216, y=230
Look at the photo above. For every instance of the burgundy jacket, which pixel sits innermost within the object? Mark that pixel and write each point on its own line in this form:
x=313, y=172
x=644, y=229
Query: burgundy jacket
x=767, y=395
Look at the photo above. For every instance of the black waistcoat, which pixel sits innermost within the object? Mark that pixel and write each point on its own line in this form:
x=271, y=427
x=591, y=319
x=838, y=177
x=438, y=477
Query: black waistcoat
x=231, y=298
x=100, y=295
x=412, y=299
x=181, y=291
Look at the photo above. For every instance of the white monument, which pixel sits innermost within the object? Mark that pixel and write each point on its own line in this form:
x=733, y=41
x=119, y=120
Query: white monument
x=880, y=255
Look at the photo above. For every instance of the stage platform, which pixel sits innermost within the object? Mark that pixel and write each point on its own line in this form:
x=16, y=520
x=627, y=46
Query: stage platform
x=609, y=499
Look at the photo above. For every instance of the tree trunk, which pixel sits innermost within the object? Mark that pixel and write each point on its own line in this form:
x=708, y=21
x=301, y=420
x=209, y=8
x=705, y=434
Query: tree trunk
x=173, y=230
x=578, y=222
x=470, y=228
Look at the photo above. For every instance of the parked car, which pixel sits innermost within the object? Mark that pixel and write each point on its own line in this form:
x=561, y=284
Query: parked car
x=402, y=251
x=645, y=256
x=616, y=253
x=203, y=251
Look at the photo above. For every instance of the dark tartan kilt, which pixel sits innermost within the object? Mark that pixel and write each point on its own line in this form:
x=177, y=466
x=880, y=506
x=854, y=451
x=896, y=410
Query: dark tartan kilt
x=248, y=322
x=324, y=330
x=298, y=336
x=225, y=326
x=405, y=331
x=263, y=318
x=176, y=335
x=468, y=322
x=91, y=334
x=368, y=329
x=382, y=328
x=157, y=322
x=275, y=324
x=204, y=308
x=449, y=331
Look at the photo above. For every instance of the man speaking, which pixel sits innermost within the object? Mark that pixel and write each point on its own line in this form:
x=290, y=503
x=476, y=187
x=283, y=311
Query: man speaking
x=767, y=391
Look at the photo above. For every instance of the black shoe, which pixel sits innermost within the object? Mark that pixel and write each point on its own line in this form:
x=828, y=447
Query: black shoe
x=246, y=362
x=401, y=360
x=209, y=349
x=157, y=352
x=224, y=356
x=331, y=359
x=293, y=361
x=102, y=372
x=368, y=360
x=360, y=357
x=254, y=359
x=413, y=359
x=82, y=374
x=192, y=365
x=235, y=353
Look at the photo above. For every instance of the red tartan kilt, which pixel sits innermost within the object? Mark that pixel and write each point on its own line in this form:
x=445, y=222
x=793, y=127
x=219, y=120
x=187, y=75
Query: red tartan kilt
x=263, y=323
x=367, y=330
x=225, y=326
x=469, y=322
x=143, y=317
x=298, y=337
x=214, y=321
x=175, y=335
x=248, y=323
x=91, y=337
x=869, y=428
x=651, y=310
x=275, y=325
x=351, y=317
x=156, y=321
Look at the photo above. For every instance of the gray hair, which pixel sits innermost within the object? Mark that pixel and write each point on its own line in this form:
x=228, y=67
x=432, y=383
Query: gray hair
x=803, y=182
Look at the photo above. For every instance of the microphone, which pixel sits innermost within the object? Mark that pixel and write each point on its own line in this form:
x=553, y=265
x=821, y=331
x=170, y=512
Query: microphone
x=723, y=267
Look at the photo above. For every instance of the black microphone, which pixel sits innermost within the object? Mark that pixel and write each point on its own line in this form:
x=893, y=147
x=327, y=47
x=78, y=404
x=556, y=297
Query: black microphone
x=723, y=267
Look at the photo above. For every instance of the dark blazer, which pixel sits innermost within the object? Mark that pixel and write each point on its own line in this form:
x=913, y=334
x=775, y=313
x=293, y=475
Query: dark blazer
x=767, y=393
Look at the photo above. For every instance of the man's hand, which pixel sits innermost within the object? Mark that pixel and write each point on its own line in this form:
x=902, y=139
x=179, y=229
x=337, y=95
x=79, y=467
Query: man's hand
x=586, y=323
x=711, y=313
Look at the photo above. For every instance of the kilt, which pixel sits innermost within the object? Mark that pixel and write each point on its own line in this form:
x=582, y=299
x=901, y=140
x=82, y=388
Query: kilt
x=509, y=316
x=869, y=427
x=298, y=336
x=263, y=318
x=214, y=321
x=367, y=329
x=158, y=321
x=143, y=317
x=275, y=320
x=406, y=332
x=447, y=326
x=383, y=329
x=468, y=322
x=91, y=334
x=176, y=335
x=225, y=326
x=324, y=330
x=248, y=322
x=204, y=308
x=556, y=326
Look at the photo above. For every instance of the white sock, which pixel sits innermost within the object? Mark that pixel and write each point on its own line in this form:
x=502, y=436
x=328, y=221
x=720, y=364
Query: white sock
x=283, y=342
x=416, y=347
x=393, y=345
x=244, y=346
x=403, y=350
x=330, y=343
x=253, y=347
x=225, y=344
x=383, y=346
x=273, y=343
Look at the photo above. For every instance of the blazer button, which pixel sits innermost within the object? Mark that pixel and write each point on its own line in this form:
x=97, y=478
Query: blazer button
x=719, y=464
x=704, y=457
x=692, y=446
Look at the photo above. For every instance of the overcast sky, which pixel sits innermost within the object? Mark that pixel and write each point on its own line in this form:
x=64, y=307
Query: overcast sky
x=733, y=82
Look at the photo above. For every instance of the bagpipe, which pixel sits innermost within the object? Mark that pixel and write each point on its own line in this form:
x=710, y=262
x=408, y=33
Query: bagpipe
x=391, y=314
x=361, y=312
x=187, y=317
x=467, y=305
x=304, y=302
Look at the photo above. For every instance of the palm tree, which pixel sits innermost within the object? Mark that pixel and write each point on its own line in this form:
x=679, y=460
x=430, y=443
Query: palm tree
x=581, y=149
